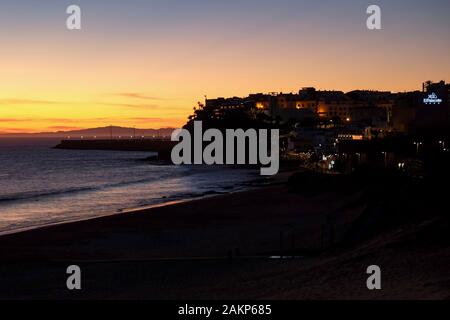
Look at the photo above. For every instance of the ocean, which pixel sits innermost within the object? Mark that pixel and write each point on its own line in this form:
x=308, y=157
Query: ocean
x=40, y=185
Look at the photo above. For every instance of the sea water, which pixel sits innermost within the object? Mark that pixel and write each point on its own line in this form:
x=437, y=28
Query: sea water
x=40, y=185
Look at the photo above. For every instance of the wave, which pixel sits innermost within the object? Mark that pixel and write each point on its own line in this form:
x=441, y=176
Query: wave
x=51, y=193
x=34, y=194
x=156, y=178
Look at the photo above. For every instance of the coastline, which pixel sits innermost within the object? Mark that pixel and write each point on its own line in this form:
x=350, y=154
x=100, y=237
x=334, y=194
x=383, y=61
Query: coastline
x=272, y=201
x=224, y=243
x=250, y=185
x=124, y=211
x=105, y=215
x=239, y=187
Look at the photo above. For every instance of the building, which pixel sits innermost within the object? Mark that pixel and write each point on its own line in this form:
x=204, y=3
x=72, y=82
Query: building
x=426, y=110
x=335, y=105
x=379, y=110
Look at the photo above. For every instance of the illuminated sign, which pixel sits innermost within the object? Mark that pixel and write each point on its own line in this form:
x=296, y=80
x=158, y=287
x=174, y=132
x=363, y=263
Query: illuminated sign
x=351, y=137
x=432, y=99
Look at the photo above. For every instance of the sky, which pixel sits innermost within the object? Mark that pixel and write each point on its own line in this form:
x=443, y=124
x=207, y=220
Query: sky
x=146, y=63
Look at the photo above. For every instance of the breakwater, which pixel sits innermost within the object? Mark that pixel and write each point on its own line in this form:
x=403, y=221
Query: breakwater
x=162, y=146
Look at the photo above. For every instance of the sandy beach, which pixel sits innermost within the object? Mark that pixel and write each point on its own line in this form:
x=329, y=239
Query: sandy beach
x=220, y=248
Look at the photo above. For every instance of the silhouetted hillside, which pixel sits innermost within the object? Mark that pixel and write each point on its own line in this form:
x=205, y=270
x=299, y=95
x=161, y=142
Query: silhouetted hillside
x=100, y=132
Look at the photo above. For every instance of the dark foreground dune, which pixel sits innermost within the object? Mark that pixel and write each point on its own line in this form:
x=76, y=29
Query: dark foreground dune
x=219, y=248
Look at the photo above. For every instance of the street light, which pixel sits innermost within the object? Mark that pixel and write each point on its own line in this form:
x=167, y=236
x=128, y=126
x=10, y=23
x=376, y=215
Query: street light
x=358, y=157
x=385, y=158
x=418, y=144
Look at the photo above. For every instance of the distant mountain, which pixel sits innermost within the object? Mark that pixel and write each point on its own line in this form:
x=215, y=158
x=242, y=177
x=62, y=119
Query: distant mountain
x=102, y=132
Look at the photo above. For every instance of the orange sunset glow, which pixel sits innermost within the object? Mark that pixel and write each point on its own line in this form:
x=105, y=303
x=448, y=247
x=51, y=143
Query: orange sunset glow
x=150, y=71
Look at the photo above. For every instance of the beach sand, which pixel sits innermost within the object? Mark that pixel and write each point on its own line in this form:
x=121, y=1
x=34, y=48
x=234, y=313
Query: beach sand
x=219, y=248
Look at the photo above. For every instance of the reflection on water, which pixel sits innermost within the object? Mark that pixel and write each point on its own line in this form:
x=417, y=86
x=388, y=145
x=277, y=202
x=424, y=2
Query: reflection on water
x=40, y=185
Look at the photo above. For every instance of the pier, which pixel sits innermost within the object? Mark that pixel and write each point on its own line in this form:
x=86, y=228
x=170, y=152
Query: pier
x=162, y=146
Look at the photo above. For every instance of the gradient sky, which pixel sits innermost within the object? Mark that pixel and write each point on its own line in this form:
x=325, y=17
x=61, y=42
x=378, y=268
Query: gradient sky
x=146, y=63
